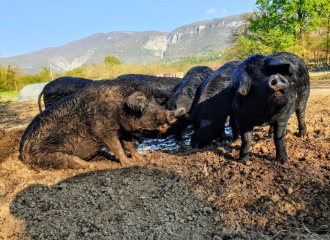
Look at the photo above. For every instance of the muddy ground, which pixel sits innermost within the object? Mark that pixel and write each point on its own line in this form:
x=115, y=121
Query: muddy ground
x=215, y=198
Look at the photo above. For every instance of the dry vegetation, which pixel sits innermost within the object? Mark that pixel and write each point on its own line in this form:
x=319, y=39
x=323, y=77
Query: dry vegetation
x=259, y=200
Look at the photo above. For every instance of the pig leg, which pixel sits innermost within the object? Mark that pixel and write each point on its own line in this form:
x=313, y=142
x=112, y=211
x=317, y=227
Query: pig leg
x=234, y=127
x=301, y=122
x=115, y=145
x=131, y=148
x=279, y=139
x=300, y=113
x=271, y=131
x=246, y=144
x=64, y=160
x=127, y=140
x=221, y=132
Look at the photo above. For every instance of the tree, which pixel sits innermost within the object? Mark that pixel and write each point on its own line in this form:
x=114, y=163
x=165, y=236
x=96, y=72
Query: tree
x=111, y=60
x=281, y=24
x=8, y=78
x=325, y=23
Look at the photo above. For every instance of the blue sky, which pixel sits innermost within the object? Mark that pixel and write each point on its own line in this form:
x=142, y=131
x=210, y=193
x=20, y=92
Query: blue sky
x=30, y=25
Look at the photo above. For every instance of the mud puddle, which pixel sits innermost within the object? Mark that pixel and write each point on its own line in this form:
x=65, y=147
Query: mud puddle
x=170, y=145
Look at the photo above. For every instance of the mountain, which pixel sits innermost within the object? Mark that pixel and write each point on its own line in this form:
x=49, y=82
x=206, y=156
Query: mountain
x=199, y=38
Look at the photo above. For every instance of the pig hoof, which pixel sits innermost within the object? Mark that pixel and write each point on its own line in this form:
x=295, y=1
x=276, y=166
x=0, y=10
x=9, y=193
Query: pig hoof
x=138, y=158
x=126, y=164
x=282, y=160
x=244, y=159
x=104, y=165
x=303, y=135
x=271, y=135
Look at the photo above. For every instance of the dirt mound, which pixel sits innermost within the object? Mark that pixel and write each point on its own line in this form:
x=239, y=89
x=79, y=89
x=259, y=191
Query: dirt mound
x=216, y=197
x=114, y=203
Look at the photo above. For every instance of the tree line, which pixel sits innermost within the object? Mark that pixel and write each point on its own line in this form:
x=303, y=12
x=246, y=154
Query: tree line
x=12, y=78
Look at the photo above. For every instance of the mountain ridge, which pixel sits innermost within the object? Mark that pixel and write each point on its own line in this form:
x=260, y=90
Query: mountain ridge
x=198, y=38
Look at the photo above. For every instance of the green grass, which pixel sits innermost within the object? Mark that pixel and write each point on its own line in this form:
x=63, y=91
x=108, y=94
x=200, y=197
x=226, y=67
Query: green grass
x=8, y=97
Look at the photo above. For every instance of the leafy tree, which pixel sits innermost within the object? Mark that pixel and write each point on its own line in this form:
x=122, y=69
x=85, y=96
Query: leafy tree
x=9, y=76
x=45, y=74
x=111, y=60
x=325, y=23
x=280, y=24
x=77, y=72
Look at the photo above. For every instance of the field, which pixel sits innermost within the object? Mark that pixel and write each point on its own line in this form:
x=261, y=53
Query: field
x=215, y=198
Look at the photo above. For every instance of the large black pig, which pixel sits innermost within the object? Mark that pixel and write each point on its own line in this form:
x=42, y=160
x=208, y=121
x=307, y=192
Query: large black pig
x=184, y=96
x=268, y=90
x=185, y=90
x=76, y=128
x=213, y=106
x=59, y=88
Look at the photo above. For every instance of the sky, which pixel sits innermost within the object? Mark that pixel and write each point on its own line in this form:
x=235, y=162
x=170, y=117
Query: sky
x=30, y=25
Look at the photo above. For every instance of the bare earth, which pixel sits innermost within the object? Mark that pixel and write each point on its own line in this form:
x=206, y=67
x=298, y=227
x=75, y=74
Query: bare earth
x=215, y=198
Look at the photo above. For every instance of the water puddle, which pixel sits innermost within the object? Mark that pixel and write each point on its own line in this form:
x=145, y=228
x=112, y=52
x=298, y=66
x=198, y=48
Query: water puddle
x=169, y=144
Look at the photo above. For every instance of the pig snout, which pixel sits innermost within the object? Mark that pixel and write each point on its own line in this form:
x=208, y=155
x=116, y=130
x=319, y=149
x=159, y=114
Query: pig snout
x=172, y=116
x=278, y=83
x=179, y=112
x=163, y=128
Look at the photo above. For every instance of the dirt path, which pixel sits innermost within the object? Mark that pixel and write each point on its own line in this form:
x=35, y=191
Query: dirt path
x=216, y=197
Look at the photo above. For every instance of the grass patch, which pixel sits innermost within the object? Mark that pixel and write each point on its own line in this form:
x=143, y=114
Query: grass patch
x=8, y=97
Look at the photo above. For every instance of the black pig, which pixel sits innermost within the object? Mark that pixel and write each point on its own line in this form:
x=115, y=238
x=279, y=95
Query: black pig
x=268, y=90
x=213, y=106
x=59, y=88
x=185, y=90
x=76, y=128
x=184, y=95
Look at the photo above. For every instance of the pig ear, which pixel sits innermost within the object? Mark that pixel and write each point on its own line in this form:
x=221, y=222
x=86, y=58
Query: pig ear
x=241, y=81
x=278, y=66
x=137, y=101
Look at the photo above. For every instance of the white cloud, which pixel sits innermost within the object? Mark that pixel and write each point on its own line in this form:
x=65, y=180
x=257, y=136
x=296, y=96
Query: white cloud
x=210, y=11
x=224, y=10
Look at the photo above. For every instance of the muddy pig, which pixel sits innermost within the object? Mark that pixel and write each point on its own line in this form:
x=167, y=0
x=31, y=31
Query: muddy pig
x=213, y=106
x=162, y=86
x=59, y=88
x=74, y=129
x=268, y=89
